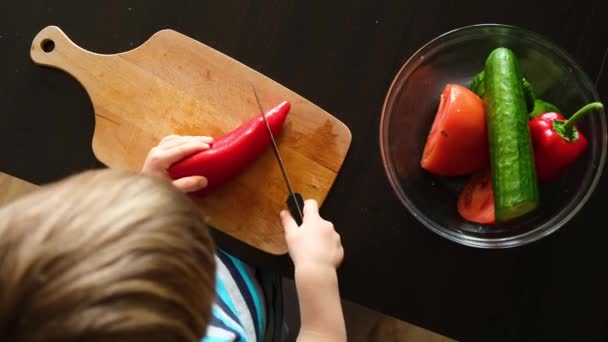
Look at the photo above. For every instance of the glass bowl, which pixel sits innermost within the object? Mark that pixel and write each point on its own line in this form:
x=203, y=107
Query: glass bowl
x=410, y=107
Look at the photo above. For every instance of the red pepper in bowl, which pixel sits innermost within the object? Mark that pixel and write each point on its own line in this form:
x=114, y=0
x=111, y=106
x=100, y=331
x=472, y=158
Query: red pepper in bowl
x=230, y=154
x=557, y=142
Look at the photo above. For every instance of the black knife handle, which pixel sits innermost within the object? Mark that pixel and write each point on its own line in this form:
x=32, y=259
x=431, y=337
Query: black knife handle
x=295, y=201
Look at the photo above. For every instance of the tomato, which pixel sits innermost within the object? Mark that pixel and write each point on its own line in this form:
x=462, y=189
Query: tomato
x=476, y=201
x=458, y=141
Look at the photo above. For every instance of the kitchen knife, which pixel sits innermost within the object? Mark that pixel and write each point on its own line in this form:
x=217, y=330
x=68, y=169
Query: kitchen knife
x=295, y=202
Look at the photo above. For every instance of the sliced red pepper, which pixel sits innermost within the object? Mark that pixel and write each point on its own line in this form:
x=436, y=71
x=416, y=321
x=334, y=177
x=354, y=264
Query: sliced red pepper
x=230, y=154
x=557, y=142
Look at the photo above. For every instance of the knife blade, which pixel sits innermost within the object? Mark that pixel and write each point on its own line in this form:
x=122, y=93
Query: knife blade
x=295, y=202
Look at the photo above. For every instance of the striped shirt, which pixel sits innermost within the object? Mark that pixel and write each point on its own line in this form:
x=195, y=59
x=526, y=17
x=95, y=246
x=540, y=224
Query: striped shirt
x=238, y=313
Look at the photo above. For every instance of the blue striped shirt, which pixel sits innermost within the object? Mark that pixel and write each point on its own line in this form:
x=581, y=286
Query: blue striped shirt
x=238, y=313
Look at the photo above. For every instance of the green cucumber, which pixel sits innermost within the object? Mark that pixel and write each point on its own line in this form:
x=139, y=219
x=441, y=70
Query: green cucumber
x=477, y=86
x=511, y=156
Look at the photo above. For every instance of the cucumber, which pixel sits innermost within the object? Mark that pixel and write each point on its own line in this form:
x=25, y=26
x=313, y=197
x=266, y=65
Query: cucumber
x=511, y=156
x=477, y=86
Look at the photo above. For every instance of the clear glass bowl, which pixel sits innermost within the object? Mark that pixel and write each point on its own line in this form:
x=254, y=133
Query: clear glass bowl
x=410, y=107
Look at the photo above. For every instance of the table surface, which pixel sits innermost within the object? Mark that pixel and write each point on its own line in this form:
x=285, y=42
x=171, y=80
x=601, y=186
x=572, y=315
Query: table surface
x=342, y=56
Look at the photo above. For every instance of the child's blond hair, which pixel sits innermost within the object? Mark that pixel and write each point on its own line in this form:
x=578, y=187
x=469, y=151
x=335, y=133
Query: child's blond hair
x=105, y=255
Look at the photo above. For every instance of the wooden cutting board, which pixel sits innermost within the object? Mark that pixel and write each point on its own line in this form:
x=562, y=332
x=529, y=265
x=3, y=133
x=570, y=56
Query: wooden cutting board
x=173, y=84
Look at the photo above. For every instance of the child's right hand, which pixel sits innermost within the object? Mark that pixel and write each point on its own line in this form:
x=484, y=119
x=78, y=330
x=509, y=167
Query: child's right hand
x=316, y=251
x=314, y=245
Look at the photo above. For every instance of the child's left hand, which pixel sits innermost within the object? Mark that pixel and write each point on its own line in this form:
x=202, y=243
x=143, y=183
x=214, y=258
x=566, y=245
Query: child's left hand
x=170, y=150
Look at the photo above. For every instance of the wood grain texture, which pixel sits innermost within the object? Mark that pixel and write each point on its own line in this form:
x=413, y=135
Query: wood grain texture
x=365, y=325
x=173, y=84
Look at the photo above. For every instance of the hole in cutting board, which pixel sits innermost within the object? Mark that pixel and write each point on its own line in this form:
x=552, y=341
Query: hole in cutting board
x=47, y=45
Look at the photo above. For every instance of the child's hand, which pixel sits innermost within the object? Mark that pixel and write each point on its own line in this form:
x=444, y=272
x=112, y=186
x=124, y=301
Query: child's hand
x=170, y=150
x=316, y=251
x=314, y=245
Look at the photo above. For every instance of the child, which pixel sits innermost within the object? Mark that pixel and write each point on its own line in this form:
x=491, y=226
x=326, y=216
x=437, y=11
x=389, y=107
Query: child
x=110, y=256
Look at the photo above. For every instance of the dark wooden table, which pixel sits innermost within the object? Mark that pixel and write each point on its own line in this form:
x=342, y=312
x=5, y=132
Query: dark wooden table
x=342, y=56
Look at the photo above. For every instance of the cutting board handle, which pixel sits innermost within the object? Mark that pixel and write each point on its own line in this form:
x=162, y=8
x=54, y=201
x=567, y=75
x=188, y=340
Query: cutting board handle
x=51, y=47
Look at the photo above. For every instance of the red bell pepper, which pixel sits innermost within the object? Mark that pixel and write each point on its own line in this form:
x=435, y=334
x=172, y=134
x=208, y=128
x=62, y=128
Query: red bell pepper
x=557, y=142
x=230, y=154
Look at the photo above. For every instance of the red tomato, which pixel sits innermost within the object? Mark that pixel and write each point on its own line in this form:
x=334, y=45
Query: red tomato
x=458, y=141
x=476, y=201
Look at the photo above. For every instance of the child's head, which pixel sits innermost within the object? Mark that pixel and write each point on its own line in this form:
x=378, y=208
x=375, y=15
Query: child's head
x=105, y=256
